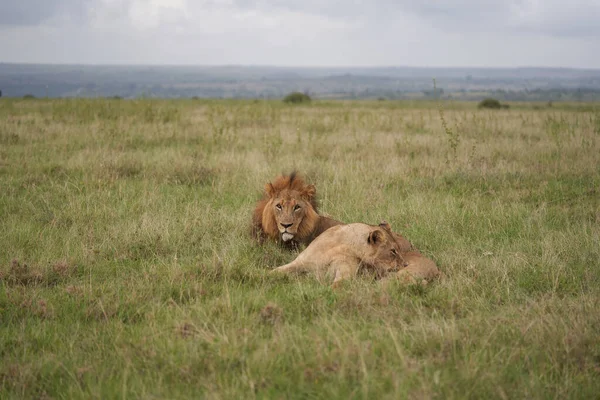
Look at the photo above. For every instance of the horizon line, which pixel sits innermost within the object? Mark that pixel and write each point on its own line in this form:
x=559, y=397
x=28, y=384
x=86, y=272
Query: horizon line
x=295, y=66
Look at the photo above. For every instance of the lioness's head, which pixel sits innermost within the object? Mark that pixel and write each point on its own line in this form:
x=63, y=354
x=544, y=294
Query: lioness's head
x=385, y=250
x=290, y=211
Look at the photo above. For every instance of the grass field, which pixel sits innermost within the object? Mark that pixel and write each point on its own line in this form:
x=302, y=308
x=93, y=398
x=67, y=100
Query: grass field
x=127, y=269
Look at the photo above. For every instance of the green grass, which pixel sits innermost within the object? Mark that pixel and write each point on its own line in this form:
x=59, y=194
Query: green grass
x=134, y=274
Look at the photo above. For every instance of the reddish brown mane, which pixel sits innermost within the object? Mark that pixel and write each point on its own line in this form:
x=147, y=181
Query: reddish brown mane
x=291, y=182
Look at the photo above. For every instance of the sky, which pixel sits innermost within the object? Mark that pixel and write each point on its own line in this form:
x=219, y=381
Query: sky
x=429, y=33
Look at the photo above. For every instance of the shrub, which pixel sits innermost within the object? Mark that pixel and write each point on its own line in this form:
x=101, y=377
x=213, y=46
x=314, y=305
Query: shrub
x=296, y=97
x=491, y=103
x=29, y=96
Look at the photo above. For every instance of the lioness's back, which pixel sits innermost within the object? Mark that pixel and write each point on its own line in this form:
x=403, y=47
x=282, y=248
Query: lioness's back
x=348, y=235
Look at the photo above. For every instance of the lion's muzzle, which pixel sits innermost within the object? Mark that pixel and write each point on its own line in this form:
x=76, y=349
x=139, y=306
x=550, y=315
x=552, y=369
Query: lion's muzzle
x=286, y=236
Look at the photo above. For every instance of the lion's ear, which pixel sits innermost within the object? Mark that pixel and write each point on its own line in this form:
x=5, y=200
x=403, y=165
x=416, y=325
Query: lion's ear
x=376, y=237
x=385, y=225
x=270, y=190
x=309, y=192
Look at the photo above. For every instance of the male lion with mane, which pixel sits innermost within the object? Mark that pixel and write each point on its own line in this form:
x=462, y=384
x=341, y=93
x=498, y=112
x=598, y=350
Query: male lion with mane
x=288, y=213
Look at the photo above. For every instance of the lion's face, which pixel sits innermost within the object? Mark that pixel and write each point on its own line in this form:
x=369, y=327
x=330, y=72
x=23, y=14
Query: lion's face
x=289, y=210
x=386, y=251
x=289, y=214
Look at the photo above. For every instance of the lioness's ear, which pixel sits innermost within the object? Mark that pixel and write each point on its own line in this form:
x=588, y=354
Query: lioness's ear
x=270, y=190
x=309, y=192
x=385, y=225
x=376, y=237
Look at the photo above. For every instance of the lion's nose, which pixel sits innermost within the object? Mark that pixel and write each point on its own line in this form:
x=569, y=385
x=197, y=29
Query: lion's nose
x=286, y=225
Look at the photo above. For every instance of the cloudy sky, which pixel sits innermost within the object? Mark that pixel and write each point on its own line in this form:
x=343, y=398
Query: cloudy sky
x=487, y=33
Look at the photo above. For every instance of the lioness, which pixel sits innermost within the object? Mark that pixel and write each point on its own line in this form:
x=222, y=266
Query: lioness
x=343, y=250
x=287, y=214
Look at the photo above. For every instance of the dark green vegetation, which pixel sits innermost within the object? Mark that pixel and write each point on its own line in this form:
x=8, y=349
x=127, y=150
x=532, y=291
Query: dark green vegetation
x=296, y=98
x=126, y=269
x=489, y=102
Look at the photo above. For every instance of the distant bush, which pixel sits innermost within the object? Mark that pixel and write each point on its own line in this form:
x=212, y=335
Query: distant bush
x=296, y=97
x=29, y=96
x=491, y=103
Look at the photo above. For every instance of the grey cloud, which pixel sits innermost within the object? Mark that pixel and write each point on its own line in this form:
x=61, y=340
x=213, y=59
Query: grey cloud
x=577, y=18
x=35, y=12
x=309, y=32
x=26, y=12
x=549, y=17
x=336, y=9
x=343, y=8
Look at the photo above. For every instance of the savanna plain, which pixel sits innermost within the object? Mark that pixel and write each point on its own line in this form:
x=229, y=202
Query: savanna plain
x=127, y=269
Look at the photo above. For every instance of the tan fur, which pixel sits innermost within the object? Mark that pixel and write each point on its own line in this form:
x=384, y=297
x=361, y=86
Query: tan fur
x=418, y=270
x=288, y=214
x=342, y=250
x=417, y=267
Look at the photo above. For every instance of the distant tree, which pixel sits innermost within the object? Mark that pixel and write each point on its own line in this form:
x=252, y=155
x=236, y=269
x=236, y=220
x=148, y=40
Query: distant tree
x=0, y=93
x=29, y=96
x=297, y=97
x=491, y=103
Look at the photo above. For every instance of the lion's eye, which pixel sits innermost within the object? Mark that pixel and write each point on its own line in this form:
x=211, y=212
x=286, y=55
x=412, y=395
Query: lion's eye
x=394, y=252
x=278, y=206
x=296, y=207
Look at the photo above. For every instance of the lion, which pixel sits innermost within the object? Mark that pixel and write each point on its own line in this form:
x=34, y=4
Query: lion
x=287, y=214
x=343, y=250
x=418, y=269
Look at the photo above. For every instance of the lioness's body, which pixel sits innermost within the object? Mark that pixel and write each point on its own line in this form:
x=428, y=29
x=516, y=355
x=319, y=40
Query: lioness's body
x=321, y=226
x=342, y=250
